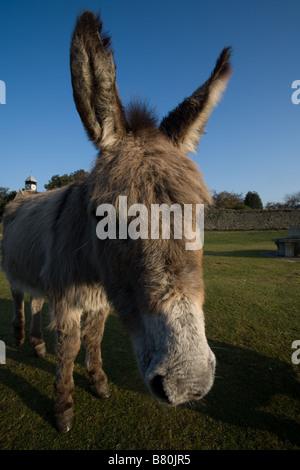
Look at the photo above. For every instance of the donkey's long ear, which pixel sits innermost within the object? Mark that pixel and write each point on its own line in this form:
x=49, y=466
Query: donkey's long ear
x=93, y=75
x=185, y=124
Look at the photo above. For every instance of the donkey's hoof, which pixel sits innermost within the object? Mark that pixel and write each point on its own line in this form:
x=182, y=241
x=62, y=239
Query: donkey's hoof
x=65, y=421
x=40, y=350
x=101, y=390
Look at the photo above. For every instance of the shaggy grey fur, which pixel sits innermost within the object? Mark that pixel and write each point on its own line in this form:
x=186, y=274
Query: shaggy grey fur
x=50, y=247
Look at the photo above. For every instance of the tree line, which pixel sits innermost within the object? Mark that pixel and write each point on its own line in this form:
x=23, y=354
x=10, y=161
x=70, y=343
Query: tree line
x=291, y=201
x=221, y=200
x=252, y=200
x=227, y=200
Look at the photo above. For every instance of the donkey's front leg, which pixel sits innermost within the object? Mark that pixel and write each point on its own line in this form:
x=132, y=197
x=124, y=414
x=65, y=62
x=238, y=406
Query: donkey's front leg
x=68, y=344
x=93, y=327
x=35, y=334
x=19, y=317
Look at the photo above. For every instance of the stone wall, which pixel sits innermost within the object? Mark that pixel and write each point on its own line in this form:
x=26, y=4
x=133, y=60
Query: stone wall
x=248, y=220
x=251, y=219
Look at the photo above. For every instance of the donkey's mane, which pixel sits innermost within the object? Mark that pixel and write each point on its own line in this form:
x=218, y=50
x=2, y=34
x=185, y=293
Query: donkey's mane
x=140, y=116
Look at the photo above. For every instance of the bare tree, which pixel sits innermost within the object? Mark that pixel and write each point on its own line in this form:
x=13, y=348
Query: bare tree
x=292, y=201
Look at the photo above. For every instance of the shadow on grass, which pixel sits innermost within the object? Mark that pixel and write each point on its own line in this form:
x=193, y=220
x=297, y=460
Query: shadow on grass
x=250, y=254
x=236, y=253
x=247, y=382
x=245, y=386
x=119, y=362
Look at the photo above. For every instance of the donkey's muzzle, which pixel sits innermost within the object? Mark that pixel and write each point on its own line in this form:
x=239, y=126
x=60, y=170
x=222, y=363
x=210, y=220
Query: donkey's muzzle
x=171, y=389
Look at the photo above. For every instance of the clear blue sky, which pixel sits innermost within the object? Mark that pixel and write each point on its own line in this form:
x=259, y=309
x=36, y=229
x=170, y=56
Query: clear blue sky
x=164, y=49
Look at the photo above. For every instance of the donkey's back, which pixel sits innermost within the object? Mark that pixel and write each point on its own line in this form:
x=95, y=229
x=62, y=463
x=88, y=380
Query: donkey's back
x=37, y=230
x=47, y=252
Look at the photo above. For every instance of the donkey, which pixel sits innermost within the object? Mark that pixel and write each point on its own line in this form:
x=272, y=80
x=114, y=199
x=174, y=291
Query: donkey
x=51, y=250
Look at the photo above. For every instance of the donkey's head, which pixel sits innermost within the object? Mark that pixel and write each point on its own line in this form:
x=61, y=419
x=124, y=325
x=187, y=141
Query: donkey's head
x=154, y=283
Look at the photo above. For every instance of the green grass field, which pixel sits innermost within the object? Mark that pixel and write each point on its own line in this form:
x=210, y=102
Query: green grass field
x=252, y=318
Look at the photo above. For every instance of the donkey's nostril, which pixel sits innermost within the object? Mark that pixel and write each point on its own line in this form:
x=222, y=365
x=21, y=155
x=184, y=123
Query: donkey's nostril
x=158, y=389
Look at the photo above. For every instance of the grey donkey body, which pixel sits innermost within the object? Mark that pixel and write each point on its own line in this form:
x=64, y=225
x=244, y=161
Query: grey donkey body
x=51, y=250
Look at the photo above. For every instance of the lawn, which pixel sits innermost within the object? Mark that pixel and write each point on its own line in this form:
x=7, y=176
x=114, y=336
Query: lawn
x=252, y=318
